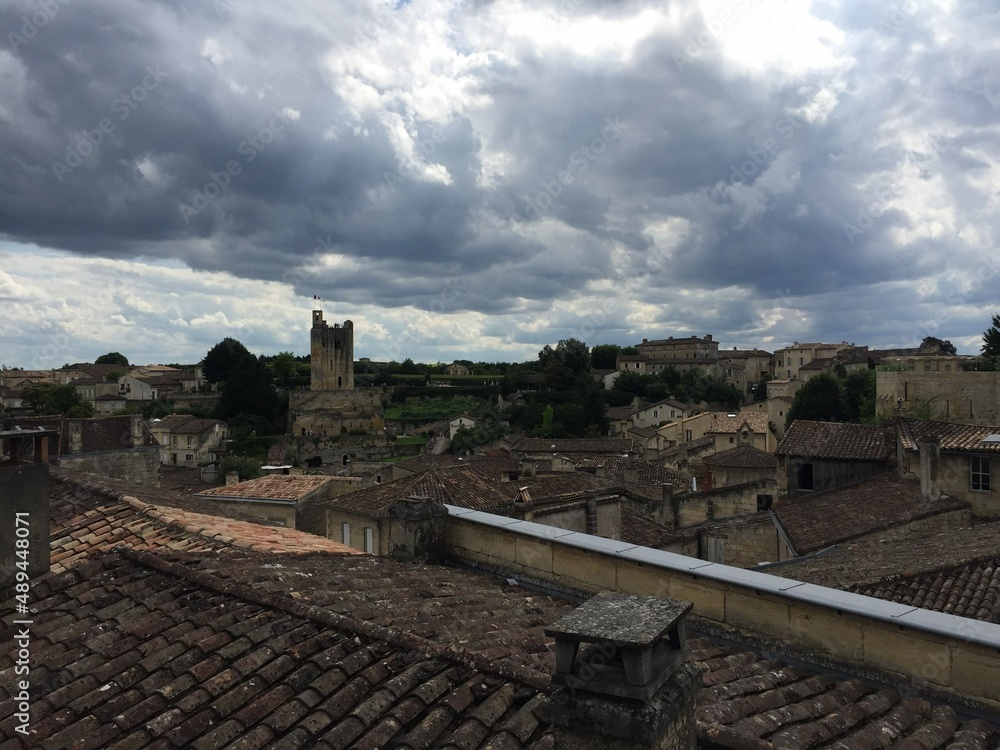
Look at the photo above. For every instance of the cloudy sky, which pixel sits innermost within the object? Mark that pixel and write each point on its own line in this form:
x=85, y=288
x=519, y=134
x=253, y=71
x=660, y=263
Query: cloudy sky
x=477, y=179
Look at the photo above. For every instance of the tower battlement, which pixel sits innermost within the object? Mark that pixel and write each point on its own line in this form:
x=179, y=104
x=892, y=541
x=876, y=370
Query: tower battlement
x=331, y=354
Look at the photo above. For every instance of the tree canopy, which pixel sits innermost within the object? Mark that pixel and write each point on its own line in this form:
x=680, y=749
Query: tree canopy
x=223, y=358
x=604, y=356
x=51, y=398
x=817, y=400
x=991, y=342
x=112, y=358
x=249, y=390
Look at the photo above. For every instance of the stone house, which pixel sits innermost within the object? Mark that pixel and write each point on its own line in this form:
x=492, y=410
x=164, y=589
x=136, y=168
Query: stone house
x=189, y=441
x=283, y=499
x=726, y=430
x=952, y=459
x=821, y=456
x=457, y=368
x=460, y=421
x=787, y=361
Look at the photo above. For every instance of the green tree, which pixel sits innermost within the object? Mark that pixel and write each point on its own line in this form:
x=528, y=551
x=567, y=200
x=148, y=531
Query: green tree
x=991, y=342
x=858, y=396
x=223, y=358
x=818, y=400
x=51, y=398
x=249, y=390
x=284, y=368
x=940, y=345
x=112, y=358
x=557, y=376
x=760, y=390
x=571, y=352
x=604, y=356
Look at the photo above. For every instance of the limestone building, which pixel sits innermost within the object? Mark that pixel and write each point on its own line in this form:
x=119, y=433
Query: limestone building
x=332, y=354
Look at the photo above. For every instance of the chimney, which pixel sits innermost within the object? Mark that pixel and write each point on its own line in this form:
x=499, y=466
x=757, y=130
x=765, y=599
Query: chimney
x=528, y=468
x=416, y=530
x=667, y=514
x=930, y=467
x=232, y=477
x=625, y=683
x=24, y=505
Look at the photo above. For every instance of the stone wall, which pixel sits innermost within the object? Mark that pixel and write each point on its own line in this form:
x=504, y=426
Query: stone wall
x=747, y=544
x=954, y=480
x=331, y=413
x=968, y=397
x=135, y=465
x=940, y=653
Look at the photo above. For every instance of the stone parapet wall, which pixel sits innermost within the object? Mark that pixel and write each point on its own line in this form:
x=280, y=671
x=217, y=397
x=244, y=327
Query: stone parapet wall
x=939, y=653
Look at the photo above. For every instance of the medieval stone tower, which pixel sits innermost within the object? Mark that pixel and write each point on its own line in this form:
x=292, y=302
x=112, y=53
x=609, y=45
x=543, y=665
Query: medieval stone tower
x=332, y=355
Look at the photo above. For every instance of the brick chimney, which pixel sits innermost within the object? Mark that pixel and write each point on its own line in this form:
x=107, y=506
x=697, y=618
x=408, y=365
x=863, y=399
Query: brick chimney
x=232, y=477
x=625, y=683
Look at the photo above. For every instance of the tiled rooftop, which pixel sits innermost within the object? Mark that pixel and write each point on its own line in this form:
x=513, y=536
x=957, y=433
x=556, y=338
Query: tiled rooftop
x=563, y=485
x=185, y=424
x=952, y=437
x=272, y=487
x=837, y=440
x=726, y=422
x=743, y=457
x=460, y=485
x=870, y=560
x=813, y=522
x=969, y=590
x=88, y=516
x=646, y=471
x=637, y=529
x=575, y=445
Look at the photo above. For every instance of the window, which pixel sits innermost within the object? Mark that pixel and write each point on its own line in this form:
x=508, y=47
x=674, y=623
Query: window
x=806, y=477
x=369, y=540
x=189, y=457
x=731, y=440
x=764, y=502
x=979, y=478
x=656, y=413
x=800, y=361
x=687, y=436
x=345, y=533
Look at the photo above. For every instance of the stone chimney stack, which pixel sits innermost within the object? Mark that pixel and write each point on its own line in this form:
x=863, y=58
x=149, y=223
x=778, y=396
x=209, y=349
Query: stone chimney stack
x=930, y=468
x=232, y=477
x=24, y=505
x=417, y=530
x=625, y=683
x=630, y=473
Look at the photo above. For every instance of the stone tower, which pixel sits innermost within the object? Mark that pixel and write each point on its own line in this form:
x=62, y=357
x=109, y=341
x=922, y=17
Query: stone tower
x=332, y=355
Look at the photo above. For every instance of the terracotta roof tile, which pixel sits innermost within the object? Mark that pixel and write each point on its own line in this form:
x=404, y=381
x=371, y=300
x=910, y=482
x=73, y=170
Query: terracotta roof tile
x=820, y=520
x=272, y=487
x=743, y=457
x=836, y=440
x=965, y=438
x=576, y=445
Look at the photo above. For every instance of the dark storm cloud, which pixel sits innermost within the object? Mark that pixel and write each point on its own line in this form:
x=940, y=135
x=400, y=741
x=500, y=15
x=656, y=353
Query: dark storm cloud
x=291, y=143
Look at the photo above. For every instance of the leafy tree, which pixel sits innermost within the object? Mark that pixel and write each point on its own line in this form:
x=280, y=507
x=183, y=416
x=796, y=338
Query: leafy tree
x=284, y=367
x=760, y=390
x=409, y=367
x=247, y=468
x=719, y=392
x=249, y=390
x=604, y=356
x=942, y=346
x=858, y=396
x=670, y=377
x=991, y=342
x=557, y=376
x=223, y=358
x=629, y=350
x=51, y=398
x=818, y=400
x=467, y=438
x=112, y=358
x=571, y=352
